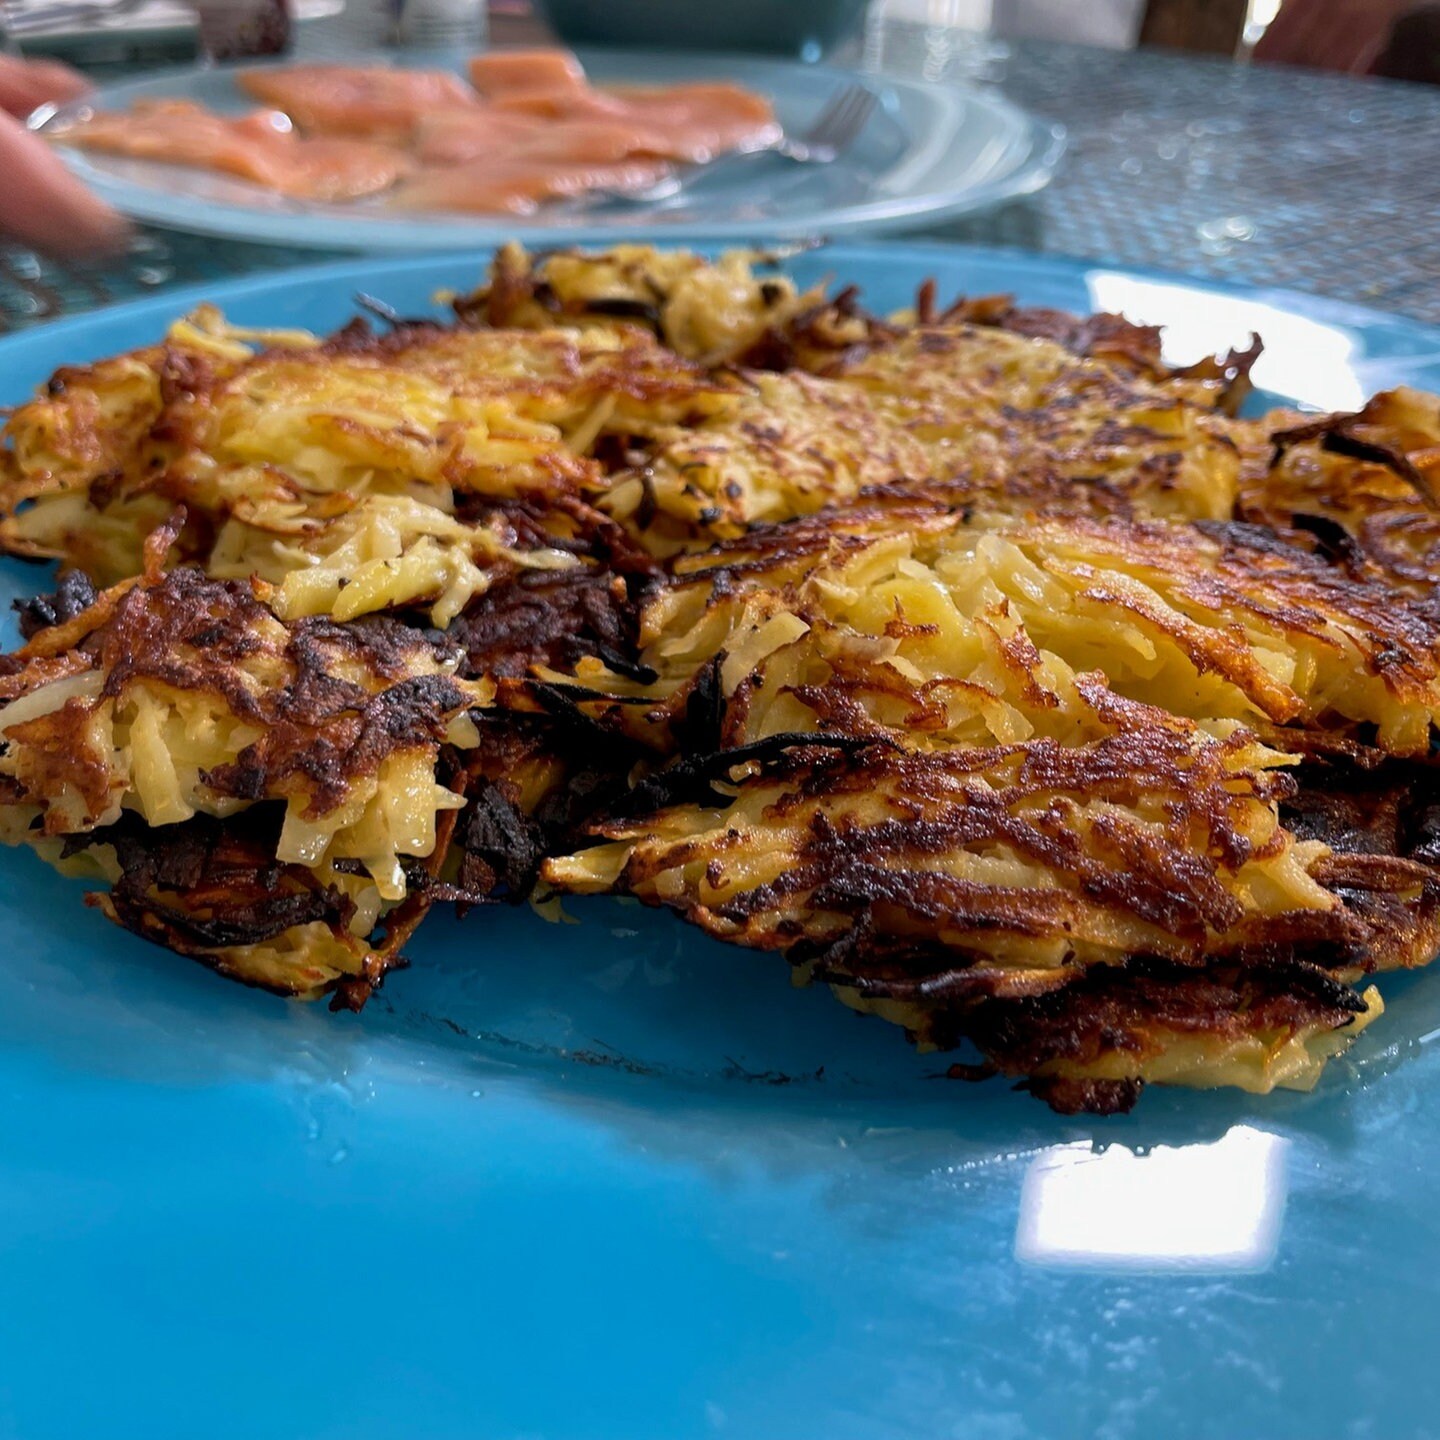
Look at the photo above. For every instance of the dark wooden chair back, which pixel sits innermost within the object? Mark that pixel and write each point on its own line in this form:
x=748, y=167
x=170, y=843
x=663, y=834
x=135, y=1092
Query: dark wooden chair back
x=1213, y=27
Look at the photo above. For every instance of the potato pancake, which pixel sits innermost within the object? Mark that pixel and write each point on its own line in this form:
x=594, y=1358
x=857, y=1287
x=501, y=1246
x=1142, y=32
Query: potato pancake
x=981, y=663
x=266, y=449
x=259, y=793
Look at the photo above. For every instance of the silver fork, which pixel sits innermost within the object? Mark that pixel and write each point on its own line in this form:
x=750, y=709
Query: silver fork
x=833, y=132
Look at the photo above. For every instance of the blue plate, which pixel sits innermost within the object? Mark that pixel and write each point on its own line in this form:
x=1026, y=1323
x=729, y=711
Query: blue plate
x=927, y=152
x=613, y=1181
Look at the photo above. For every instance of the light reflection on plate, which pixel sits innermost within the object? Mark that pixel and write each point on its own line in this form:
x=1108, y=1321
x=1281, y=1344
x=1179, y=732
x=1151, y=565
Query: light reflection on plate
x=1302, y=355
x=1214, y=1207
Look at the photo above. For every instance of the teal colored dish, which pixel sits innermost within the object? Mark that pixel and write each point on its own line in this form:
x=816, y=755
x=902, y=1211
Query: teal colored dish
x=807, y=28
x=612, y=1181
x=927, y=152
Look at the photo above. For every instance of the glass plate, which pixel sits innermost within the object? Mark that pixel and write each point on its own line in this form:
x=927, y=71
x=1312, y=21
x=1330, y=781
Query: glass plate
x=928, y=152
x=613, y=1181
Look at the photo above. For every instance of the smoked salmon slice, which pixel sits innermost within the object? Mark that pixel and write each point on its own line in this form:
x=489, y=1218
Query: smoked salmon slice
x=458, y=139
x=703, y=119
x=260, y=146
x=691, y=123
x=509, y=72
x=454, y=136
x=686, y=129
x=371, y=102
x=517, y=185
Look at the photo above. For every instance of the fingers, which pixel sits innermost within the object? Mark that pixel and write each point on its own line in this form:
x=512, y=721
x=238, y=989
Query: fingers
x=44, y=206
x=41, y=203
x=24, y=84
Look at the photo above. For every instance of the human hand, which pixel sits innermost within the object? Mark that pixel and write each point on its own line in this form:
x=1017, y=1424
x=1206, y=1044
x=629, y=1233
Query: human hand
x=41, y=203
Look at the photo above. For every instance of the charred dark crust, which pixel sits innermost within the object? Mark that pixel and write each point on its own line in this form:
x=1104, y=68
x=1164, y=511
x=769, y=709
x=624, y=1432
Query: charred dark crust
x=552, y=619
x=72, y=596
x=207, y=884
x=339, y=739
x=190, y=634
x=1136, y=1010
x=500, y=847
x=693, y=780
x=1376, y=515
x=1345, y=435
x=930, y=804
